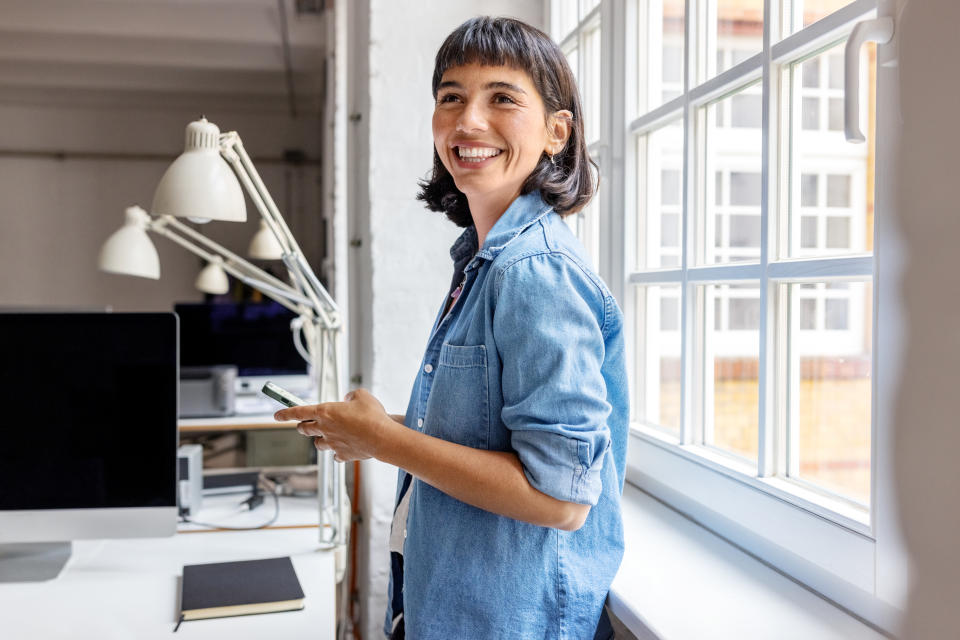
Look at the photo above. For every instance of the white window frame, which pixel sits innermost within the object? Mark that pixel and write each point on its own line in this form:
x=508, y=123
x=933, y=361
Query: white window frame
x=829, y=545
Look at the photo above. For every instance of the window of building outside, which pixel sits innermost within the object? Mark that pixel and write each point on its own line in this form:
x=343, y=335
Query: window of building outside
x=742, y=227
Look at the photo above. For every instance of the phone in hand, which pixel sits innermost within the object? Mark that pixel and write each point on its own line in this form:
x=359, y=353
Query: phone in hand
x=281, y=395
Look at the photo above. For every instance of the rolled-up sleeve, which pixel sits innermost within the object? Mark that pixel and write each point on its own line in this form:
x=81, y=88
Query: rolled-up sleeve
x=548, y=326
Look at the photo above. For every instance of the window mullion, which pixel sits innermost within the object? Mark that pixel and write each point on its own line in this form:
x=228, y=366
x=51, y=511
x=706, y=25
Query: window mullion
x=691, y=400
x=768, y=445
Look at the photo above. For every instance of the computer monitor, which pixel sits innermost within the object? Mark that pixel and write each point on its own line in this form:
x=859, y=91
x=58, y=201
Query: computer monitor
x=255, y=336
x=88, y=405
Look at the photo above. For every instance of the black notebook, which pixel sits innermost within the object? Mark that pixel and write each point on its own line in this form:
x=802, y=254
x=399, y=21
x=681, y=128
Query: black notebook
x=239, y=588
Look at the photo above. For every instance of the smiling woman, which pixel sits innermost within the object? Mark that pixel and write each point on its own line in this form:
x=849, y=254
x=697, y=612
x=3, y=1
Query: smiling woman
x=512, y=450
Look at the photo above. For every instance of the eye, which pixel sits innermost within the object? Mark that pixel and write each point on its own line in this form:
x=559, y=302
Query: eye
x=502, y=98
x=448, y=97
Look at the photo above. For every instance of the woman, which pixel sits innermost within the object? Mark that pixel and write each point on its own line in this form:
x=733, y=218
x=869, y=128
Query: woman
x=512, y=450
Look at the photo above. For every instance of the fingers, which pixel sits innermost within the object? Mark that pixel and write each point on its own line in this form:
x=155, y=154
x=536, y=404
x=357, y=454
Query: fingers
x=320, y=443
x=309, y=428
x=301, y=414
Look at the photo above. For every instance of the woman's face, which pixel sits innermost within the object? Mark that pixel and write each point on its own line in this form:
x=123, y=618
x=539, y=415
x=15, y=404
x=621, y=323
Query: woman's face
x=490, y=129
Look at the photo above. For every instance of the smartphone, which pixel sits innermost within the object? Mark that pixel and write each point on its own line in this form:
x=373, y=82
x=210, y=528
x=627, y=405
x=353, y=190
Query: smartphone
x=281, y=395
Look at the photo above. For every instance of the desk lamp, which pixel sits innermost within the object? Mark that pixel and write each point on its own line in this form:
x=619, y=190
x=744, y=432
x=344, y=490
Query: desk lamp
x=201, y=187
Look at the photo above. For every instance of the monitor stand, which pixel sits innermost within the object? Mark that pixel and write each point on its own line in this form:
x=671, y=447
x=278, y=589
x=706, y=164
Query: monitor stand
x=33, y=562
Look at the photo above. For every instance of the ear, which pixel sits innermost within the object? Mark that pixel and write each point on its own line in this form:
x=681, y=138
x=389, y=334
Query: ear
x=559, y=125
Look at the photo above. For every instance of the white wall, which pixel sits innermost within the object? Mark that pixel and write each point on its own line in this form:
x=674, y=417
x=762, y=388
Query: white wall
x=401, y=271
x=927, y=437
x=55, y=213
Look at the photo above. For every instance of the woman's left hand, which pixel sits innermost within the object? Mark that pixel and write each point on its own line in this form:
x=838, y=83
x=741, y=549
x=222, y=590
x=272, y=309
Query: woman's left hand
x=354, y=429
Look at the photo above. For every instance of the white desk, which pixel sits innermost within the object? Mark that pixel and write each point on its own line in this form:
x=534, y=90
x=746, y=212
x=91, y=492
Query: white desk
x=126, y=589
x=234, y=423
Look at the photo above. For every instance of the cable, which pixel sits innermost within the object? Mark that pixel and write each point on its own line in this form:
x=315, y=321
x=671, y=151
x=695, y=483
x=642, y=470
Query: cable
x=296, y=327
x=276, y=514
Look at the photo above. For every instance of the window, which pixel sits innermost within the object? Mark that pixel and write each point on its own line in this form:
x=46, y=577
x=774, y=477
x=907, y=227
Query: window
x=737, y=229
x=576, y=26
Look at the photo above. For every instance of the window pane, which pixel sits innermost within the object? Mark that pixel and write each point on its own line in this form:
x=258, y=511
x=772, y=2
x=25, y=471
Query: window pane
x=744, y=314
x=747, y=111
x=590, y=85
x=658, y=365
x=733, y=165
x=838, y=232
x=808, y=313
x=831, y=181
x=659, y=197
x=670, y=314
x=670, y=186
x=808, y=232
x=835, y=114
x=745, y=188
x=744, y=231
x=672, y=64
x=586, y=6
x=670, y=230
x=731, y=367
x=564, y=17
x=739, y=25
x=806, y=12
x=836, y=71
x=811, y=113
x=811, y=73
x=838, y=191
x=573, y=59
x=835, y=316
x=808, y=190
x=829, y=422
x=660, y=52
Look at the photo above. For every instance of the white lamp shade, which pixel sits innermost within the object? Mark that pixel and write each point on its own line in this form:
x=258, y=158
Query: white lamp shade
x=264, y=245
x=200, y=185
x=128, y=250
x=213, y=279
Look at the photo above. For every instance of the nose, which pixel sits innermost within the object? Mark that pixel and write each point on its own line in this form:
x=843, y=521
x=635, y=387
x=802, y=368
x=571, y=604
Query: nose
x=472, y=118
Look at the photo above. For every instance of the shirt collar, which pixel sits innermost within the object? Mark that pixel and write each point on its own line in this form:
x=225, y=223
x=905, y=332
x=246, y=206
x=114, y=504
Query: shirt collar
x=522, y=212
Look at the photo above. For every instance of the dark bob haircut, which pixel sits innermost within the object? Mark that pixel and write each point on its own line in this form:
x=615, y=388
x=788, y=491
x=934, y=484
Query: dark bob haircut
x=566, y=183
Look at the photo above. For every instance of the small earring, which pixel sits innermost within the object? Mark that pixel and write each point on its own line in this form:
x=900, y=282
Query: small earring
x=553, y=160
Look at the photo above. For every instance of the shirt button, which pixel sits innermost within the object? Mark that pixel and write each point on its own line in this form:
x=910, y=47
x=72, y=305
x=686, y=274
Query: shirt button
x=428, y=367
x=419, y=422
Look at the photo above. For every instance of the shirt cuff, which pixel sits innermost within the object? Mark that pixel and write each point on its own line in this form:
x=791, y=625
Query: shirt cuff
x=559, y=466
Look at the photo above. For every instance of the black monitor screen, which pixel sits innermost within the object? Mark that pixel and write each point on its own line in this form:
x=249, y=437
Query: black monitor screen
x=89, y=414
x=254, y=336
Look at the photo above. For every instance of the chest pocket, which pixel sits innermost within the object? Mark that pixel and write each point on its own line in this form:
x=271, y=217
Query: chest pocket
x=458, y=409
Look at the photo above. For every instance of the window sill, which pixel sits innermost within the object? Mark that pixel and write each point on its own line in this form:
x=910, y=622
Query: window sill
x=679, y=581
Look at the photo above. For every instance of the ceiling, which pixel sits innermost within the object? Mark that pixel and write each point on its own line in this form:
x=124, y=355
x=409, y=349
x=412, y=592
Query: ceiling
x=164, y=52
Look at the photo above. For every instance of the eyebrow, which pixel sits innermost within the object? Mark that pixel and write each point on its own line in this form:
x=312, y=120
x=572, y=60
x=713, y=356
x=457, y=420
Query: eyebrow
x=490, y=85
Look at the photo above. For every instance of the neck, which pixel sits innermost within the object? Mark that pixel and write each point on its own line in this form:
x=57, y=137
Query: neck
x=485, y=212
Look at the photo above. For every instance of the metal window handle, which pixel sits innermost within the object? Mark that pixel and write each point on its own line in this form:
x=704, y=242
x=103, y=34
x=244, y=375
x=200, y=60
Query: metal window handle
x=879, y=30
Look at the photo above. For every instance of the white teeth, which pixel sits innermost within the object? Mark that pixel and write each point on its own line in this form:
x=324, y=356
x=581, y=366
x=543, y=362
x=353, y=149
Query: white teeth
x=477, y=153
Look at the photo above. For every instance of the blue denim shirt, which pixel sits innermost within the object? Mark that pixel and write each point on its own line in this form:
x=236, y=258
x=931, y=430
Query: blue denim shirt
x=530, y=359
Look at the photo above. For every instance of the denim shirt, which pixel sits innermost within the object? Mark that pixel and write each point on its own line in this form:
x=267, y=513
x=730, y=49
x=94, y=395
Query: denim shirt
x=530, y=359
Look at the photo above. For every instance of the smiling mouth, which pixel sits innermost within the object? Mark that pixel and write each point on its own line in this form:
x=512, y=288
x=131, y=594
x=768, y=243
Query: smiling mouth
x=476, y=154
